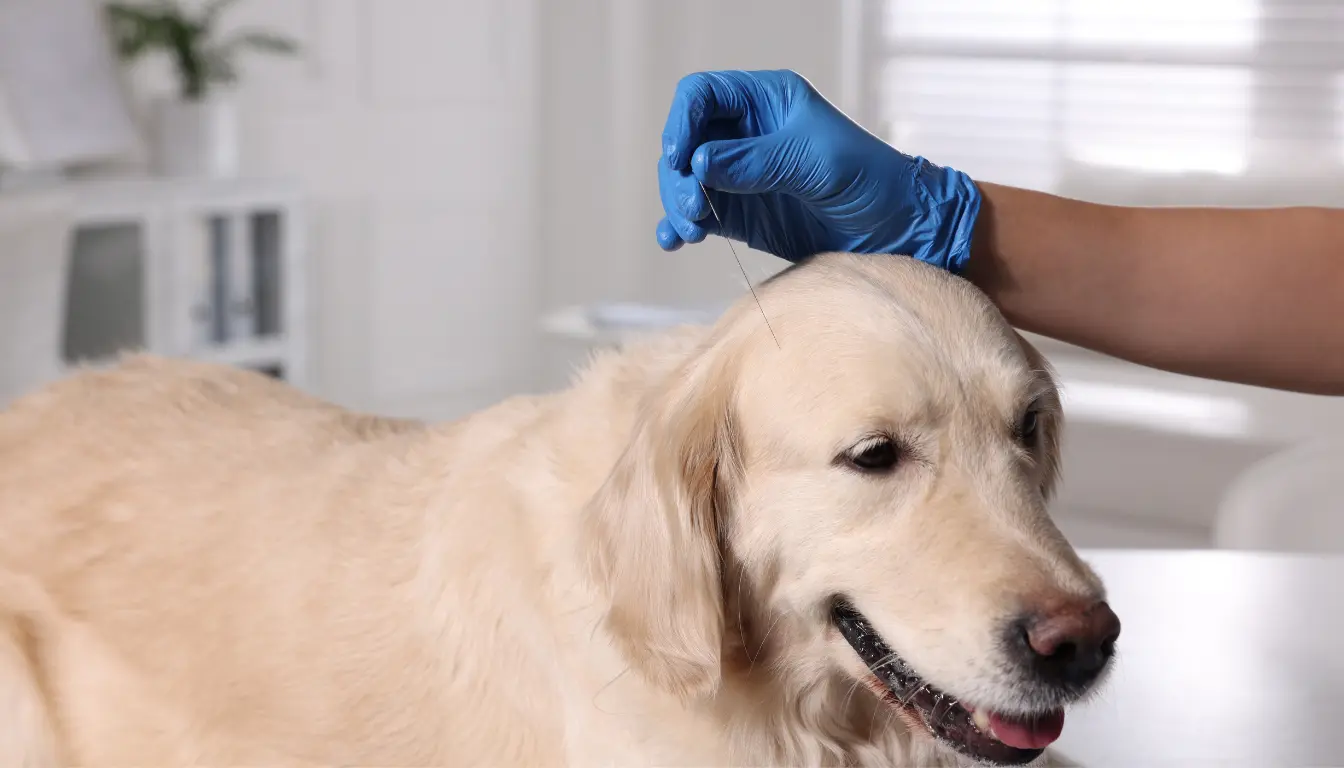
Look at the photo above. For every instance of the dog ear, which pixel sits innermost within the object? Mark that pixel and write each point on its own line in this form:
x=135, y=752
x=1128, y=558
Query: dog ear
x=654, y=530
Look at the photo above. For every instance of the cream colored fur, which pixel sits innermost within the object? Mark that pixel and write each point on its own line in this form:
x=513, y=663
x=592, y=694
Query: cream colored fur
x=203, y=566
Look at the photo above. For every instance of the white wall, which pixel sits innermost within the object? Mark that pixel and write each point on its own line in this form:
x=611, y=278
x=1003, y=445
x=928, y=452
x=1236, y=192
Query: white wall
x=473, y=164
x=610, y=70
x=412, y=126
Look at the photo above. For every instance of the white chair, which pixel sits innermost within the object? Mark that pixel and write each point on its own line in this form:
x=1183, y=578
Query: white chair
x=1291, y=501
x=34, y=246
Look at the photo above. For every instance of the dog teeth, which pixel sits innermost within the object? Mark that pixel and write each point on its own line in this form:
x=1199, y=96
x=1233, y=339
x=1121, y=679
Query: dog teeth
x=981, y=721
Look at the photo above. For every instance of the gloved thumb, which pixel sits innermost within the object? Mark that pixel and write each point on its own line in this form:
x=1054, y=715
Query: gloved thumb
x=752, y=165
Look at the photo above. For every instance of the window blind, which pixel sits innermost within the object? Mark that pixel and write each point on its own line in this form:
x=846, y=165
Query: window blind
x=1141, y=101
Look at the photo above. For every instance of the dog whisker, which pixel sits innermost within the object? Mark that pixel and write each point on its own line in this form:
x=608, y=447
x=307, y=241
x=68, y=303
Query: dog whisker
x=951, y=703
x=596, y=626
x=761, y=646
x=853, y=686
x=884, y=661
x=608, y=684
x=878, y=709
x=889, y=716
x=920, y=689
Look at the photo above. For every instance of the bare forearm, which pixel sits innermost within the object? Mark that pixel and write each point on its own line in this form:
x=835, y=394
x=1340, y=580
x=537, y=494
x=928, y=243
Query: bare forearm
x=1252, y=296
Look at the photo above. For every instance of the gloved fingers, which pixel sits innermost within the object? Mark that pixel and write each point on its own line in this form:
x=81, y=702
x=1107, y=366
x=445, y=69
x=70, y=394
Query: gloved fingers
x=700, y=98
x=684, y=203
x=668, y=239
x=753, y=165
x=688, y=196
x=689, y=231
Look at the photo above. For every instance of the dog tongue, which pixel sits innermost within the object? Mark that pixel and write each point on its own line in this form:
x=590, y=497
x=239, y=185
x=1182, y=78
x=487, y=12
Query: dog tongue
x=1037, y=733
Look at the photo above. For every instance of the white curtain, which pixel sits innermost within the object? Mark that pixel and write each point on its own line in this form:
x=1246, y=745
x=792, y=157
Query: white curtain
x=1132, y=101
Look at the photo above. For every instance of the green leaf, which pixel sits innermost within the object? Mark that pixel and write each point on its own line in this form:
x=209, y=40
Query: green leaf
x=217, y=67
x=262, y=41
x=137, y=29
x=162, y=24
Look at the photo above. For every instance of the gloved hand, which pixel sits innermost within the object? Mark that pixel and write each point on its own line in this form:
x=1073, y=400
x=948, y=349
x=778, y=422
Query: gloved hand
x=790, y=174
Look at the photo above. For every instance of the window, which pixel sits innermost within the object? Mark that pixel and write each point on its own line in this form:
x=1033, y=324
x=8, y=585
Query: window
x=1145, y=101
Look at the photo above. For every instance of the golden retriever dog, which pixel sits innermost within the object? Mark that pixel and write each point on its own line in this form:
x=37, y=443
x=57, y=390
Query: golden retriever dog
x=710, y=550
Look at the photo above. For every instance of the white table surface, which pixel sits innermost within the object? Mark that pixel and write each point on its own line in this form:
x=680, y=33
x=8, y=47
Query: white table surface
x=1225, y=658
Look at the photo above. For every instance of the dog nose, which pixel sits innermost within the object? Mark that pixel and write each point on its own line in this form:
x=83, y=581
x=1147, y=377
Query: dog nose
x=1070, y=646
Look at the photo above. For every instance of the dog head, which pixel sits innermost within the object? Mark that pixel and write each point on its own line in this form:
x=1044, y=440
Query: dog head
x=878, y=482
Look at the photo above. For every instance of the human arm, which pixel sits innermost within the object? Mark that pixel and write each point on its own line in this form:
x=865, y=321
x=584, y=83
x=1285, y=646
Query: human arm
x=1249, y=296
x=1253, y=296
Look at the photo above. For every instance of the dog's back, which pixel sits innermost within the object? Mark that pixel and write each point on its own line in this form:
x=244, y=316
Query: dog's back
x=198, y=562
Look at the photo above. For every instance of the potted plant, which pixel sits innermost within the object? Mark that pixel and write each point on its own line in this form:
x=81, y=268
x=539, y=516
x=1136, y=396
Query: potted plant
x=195, y=131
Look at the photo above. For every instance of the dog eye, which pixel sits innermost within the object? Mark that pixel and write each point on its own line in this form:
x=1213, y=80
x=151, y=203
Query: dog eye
x=879, y=455
x=1026, y=430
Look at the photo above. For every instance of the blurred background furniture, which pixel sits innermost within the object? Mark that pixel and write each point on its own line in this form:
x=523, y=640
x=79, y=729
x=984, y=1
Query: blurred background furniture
x=206, y=269
x=1292, y=501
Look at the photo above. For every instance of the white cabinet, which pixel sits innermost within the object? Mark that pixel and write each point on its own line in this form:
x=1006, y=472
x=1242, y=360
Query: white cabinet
x=206, y=269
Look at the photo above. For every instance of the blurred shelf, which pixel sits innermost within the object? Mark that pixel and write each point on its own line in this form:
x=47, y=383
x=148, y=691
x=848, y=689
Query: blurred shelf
x=203, y=268
x=607, y=324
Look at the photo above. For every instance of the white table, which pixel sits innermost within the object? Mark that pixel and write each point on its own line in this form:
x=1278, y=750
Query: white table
x=1225, y=658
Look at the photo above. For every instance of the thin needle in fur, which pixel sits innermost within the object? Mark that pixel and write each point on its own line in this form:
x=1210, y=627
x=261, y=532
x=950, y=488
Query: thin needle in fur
x=737, y=258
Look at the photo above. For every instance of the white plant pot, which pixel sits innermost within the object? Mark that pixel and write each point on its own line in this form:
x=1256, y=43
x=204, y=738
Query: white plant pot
x=195, y=138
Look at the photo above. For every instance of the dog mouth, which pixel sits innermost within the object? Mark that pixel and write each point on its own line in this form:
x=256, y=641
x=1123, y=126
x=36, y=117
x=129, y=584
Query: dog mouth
x=985, y=736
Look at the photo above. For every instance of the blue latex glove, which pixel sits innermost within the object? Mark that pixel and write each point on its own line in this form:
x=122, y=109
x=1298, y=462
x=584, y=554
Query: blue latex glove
x=791, y=175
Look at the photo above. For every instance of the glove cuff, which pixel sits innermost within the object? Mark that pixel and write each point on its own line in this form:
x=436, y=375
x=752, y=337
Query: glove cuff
x=952, y=204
